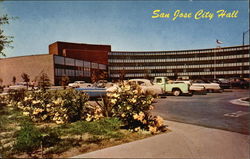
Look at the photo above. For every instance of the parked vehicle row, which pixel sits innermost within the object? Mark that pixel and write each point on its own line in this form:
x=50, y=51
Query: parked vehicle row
x=159, y=86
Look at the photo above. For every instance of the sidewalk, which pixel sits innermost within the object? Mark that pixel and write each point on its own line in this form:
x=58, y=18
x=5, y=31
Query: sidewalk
x=185, y=141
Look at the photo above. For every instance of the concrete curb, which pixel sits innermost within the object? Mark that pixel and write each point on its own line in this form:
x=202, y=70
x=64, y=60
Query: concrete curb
x=240, y=101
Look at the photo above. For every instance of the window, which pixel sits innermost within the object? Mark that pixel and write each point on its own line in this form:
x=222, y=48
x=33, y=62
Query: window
x=79, y=63
x=59, y=60
x=59, y=72
x=69, y=61
x=94, y=65
x=86, y=64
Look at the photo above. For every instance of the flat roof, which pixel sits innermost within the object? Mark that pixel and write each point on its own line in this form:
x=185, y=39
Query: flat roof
x=180, y=50
x=24, y=56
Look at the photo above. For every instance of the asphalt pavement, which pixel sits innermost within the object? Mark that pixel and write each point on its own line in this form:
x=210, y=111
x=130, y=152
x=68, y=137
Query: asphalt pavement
x=214, y=110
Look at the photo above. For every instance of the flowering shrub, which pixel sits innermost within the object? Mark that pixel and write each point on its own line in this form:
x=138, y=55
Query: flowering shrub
x=59, y=107
x=14, y=96
x=2, y=100
x=130, y=105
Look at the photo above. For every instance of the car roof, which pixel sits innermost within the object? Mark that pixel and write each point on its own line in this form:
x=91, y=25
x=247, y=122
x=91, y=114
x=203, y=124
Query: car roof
x=144, y=80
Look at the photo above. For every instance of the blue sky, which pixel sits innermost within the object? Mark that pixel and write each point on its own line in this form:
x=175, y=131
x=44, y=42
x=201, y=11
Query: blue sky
x=126, y=25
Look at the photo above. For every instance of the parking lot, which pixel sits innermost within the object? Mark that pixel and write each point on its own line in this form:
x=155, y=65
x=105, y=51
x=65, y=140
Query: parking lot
x=212, y=110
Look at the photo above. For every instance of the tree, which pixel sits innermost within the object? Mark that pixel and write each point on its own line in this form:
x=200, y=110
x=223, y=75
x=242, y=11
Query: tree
x=94, y=77
x=122, y=74
x=44, y=81
x=1, y=81
x=14, y=80
x=64, y=81
x=5, y=41
x=26, y=78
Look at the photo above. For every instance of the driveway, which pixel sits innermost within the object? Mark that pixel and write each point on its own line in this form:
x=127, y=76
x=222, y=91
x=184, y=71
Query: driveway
x=212, y=110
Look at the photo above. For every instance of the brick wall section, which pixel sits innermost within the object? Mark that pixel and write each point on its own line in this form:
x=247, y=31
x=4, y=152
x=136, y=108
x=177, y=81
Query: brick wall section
x=88, y=52
x=100, y=57
x=32, y=65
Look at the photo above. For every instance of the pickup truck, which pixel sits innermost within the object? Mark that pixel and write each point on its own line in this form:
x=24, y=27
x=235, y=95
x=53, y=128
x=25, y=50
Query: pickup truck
x=193, y=88
x=174, y=88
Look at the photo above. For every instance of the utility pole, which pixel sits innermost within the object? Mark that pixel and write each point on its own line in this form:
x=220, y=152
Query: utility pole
x=242, y=62
x=243, y=37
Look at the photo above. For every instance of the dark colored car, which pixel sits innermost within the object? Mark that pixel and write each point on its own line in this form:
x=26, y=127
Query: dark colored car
x=239, y=83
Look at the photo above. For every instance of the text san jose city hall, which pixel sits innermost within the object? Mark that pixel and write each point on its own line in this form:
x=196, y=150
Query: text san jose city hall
x=200, y=14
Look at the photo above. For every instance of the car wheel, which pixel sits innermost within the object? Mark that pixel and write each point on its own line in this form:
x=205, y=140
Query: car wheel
x=210, y=91
x=176, y=92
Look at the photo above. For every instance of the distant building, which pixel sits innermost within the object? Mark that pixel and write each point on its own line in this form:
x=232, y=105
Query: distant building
x=77, y=61
x=83, y=61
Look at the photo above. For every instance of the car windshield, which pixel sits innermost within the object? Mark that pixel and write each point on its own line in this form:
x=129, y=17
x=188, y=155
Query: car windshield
x=158, y=80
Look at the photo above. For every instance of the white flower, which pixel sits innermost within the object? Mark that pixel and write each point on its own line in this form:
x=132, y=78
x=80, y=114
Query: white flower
x=26, y=113
x=113, y=101
x=57, y=114
x=133, y=100
x=127, y=87
x=137, y=129
x=36, y=101
x=57, y=101
x=59, y=122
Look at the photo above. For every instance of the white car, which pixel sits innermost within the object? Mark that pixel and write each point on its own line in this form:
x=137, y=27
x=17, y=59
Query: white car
x=210, y=87
x=80, y=84
x=18, y=86
x=146, y=85
x=194, y=88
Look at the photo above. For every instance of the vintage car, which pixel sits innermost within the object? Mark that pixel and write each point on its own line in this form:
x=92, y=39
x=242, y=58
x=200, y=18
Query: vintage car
x=224, y=83
x=18, y=86
x=102, y=84
x=146, y=86
x=93, y=92
x=210, y=87
x=170, y=87
x=239, y=83
x=79, y=84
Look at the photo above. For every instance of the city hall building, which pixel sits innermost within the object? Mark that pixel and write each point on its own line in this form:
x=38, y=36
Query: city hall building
x=81, y=61
x=201, y=63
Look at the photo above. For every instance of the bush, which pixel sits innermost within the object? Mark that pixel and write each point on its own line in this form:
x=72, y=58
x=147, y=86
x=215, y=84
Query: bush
x=15, y=96
x=131, y=106
x=58, y=106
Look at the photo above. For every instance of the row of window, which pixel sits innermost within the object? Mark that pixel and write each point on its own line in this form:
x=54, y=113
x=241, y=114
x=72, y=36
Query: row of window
x=178, y=59
x=182, y=73
x=180, y=66
x=72, y=73
x=79, y=63
x=181, y=52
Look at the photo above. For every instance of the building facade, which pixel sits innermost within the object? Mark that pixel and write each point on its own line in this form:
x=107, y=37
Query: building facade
x=85, y=61
x=76, y=61
x=203, y=63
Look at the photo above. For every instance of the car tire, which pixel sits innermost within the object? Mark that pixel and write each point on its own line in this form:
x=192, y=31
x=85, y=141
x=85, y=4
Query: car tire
x=210, y=91
x=176, y=92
